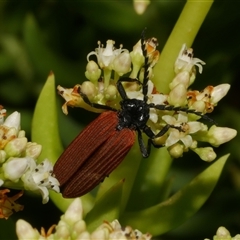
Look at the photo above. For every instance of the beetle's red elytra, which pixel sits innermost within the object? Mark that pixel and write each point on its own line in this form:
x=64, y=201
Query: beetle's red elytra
x=92, y=155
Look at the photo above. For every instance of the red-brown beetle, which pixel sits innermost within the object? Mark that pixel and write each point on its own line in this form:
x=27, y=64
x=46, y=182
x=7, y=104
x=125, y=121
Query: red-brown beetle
x=104, y=143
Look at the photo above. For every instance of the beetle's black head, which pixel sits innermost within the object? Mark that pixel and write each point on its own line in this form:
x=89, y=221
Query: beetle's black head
x=134, y=114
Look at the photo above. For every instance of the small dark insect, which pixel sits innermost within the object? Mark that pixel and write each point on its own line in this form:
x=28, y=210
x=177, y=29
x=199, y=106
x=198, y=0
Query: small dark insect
x=104, y=143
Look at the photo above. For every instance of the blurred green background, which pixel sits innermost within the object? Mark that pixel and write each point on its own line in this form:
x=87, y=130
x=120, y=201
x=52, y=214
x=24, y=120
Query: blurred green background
x=37, y=37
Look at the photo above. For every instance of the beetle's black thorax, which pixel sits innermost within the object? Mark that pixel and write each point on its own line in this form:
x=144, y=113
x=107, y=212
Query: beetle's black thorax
x=134, y=114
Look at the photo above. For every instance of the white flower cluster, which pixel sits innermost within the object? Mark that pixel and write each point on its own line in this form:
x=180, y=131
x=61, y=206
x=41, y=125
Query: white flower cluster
x=72, y=226
x=223, y=234
x=182, y=107
x=18, y=160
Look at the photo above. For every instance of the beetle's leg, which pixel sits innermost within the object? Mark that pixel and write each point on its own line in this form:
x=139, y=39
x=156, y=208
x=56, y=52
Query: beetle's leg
x=120, y=87
x=147, y=130
x=144, y=150
x=95, y=105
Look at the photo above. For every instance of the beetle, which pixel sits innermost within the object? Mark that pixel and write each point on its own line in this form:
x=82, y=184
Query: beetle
x=104, y=143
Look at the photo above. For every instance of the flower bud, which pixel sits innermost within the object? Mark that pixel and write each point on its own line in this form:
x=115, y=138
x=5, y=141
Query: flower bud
x=219, y=135
x=25, y=231
x=111, y=92
x=79, y=227
x=3, y=113
x=222, y=233
x=15, y=147
x=84, y=235
x=13, y=120
x=207, y=153
x=89, y=89
x=21, y=134
x=176, y=150
x=93, y=72
x=62, y=232
x=178, y=95
x=2, y=156
x=6, y=135
x=122, y=63
x=33, y=150
x=15, y=168
x=137, y=59
x=199, y=106
x=74, y=212
x=100, y=234
x=182, y=77
x=140, y=6
x=219, y=92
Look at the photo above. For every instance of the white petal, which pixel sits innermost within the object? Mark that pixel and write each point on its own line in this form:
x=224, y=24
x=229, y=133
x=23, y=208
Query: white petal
x=187, y=141
x=173, y=138
x=182, y=118
x=169, y=119
x=153, y=115
x=158, y=98
x=194, y=127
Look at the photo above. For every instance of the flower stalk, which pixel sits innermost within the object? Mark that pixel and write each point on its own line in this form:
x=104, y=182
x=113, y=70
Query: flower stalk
x=184, y=31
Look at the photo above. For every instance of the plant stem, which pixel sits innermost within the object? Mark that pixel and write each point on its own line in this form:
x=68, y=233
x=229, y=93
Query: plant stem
x=185, y=31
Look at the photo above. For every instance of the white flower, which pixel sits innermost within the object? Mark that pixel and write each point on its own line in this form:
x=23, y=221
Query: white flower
x=186, y=61
x=39, y=178
x=71, y=226
x=187, y=128
x=106, y=56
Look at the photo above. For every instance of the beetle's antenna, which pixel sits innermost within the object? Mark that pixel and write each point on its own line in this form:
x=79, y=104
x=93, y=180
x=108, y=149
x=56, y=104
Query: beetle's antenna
x=183, y=109
x=146, y=65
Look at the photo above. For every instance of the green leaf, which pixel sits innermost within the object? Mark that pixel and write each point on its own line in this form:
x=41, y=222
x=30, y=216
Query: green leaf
x=107, y=207
x=178, y=208
x=151, y=177
x=45, y=122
